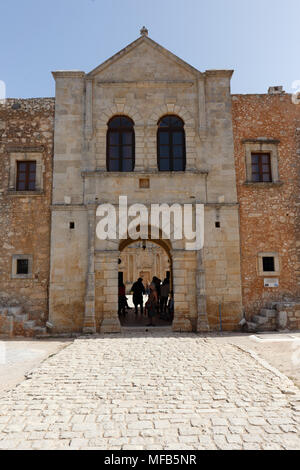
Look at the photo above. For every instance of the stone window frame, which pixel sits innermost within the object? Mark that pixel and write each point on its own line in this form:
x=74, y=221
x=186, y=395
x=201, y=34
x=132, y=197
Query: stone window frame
x=14, y=274
x=26, y=154
x=262, y=146
x=261, y=271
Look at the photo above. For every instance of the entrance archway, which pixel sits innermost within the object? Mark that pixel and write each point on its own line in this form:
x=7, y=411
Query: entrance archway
x=144, y=259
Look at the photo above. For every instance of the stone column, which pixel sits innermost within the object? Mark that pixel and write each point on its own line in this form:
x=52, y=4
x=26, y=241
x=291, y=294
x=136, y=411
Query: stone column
x=202, y=322
x=89, y=324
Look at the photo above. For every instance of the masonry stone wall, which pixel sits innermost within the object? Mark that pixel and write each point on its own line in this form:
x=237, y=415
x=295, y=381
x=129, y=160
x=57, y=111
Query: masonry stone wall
x=74, y=275
x=144, y=82
x=269, y=214
x=26, y=132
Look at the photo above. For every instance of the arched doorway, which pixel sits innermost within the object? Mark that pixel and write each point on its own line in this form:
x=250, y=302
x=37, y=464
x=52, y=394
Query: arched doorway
x=145, y=259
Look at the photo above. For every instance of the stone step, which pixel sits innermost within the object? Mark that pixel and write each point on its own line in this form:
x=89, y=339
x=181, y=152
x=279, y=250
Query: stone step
x=38, y=330
x=252, y=327
x=21, y=318
x=29, y=325
x=260, y=320
x=267, y=327
x=266, y=312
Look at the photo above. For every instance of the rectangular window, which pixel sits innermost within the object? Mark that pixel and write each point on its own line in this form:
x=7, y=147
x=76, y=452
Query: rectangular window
x=26, y=175
x=22, y=266
x=261, y=167
x=268, y=264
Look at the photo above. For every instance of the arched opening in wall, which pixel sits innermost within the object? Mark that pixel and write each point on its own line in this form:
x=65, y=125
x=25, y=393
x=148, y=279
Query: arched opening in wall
x=151, y=262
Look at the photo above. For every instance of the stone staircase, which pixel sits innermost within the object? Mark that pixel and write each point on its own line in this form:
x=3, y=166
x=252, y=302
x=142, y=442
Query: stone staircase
x=14, y=322
x=275, y=316
x=264, y=321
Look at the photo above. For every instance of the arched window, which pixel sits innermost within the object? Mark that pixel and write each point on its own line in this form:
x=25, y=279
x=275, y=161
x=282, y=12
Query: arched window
x=171, y=144
x=120, y=144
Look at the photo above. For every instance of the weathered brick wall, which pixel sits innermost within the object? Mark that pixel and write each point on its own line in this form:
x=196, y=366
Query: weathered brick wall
x=25, y=220
x=268, y=213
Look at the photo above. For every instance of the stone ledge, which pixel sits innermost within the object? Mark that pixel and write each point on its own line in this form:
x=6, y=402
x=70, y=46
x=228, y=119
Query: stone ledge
x=68, y=207
x=261, y=140
x=262, y=185
x=24, y=193
x=88, y=173
x=24, y=149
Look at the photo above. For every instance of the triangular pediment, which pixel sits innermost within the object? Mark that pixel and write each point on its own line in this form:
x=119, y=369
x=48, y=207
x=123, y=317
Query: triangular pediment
x=144, y=59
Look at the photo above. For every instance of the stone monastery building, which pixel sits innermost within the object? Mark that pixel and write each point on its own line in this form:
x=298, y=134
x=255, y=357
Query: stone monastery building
x=148, y=125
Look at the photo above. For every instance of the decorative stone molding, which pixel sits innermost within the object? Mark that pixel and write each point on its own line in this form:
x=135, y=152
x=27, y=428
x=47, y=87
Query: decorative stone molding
x=25, y=154
x=219, y=73
x=119, y=109
x=68, y=74
x=262, y=145
x=15, y=259
x=178, y=110
x=261, y=271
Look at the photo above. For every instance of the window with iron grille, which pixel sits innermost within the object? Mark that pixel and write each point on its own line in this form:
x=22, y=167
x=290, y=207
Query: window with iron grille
x=261, y=167
x=171, y=153
x=26, y=175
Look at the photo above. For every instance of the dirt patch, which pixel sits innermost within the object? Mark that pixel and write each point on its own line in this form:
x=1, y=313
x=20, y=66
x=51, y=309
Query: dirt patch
x=18, y=357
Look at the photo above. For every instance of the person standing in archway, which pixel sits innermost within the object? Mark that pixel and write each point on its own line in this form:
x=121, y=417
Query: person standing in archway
x=157, y=283
x=151, y=304
x=138, y=291
x=164, y=295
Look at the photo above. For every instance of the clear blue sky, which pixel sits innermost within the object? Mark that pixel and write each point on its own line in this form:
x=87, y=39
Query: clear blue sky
x=260, y=39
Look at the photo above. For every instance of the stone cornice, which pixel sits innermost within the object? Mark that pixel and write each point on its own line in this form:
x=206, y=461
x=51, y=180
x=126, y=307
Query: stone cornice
x=92, y=173
x=68, y=74
x=146, y=83
x=219, y=73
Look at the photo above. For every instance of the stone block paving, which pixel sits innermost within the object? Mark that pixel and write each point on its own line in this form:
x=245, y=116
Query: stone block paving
x=151, y=391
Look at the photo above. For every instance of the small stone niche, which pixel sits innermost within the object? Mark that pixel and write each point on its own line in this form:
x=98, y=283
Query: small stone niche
x=144, y=183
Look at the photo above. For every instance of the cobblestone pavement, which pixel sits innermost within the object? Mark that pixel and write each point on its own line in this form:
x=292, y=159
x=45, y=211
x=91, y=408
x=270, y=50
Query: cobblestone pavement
x=154, y=390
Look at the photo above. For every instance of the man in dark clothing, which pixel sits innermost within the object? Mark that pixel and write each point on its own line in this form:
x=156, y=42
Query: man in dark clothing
x=138, y=290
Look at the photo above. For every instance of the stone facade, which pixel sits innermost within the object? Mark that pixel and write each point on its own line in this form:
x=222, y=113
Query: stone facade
x=26, y=132
x=84, y=280
x=269, y=214
x=74, y=279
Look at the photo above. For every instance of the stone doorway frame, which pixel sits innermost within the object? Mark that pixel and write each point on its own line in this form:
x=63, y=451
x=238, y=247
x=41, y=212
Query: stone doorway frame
x=188, y=280
x=164, y=244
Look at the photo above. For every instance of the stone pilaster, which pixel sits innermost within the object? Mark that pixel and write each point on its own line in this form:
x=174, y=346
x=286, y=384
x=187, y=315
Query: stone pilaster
x=109, y=264
x=202, y=321
x=182, y=269
x=89, y=325
x=202, y=108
